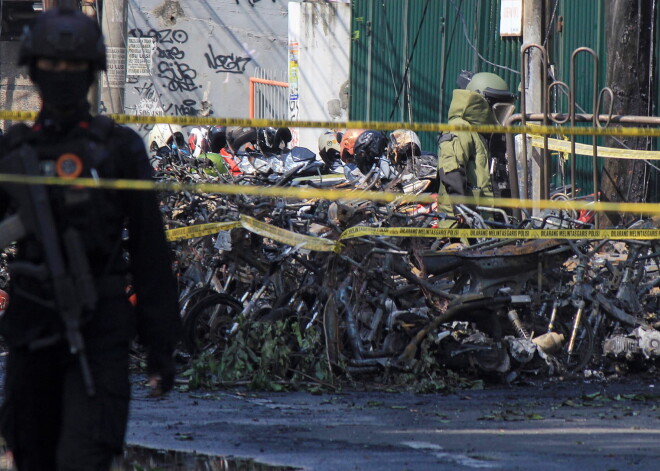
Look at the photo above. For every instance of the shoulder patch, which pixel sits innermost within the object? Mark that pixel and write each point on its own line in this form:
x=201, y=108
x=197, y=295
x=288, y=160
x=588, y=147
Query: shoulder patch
x=445, y=136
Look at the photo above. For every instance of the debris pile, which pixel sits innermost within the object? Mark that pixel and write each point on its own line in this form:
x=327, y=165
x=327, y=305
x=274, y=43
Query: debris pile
x=384, y=301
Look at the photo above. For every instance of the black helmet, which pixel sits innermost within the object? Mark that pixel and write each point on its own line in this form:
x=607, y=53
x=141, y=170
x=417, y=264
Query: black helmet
x=368, y=147
x=63, y=33
x=237, y=137
x=269, y=139
x=217, y=138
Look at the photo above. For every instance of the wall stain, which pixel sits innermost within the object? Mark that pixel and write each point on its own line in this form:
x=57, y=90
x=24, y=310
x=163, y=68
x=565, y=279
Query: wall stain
x=169, y=12
x=338, y=107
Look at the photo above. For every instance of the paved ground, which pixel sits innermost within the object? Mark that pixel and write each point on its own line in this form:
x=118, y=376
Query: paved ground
x=548, y=426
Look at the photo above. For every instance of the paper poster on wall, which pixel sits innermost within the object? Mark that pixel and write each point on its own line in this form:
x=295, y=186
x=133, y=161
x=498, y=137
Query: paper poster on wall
x=140, y=51
x=115, y=74
x=294, y=105
x=293, y=71
x=511, y=15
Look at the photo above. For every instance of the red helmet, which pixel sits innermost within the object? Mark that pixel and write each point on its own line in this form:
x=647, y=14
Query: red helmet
x=4, y=300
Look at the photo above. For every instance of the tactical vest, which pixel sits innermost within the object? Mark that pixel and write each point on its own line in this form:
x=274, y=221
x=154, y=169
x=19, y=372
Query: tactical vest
x=83, y=152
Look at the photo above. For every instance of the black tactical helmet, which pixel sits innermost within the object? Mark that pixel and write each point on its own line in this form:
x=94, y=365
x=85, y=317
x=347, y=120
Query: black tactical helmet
x=63, y=33
x=217, y=138
x=368, y=147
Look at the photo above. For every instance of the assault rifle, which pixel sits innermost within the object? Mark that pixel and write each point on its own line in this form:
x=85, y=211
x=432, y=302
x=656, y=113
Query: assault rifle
x=69, y=272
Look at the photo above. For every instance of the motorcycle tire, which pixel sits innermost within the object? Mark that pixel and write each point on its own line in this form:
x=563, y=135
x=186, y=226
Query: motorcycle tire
x=206, y=324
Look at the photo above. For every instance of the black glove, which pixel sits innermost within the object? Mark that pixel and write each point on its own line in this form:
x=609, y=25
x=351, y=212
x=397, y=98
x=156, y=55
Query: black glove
x=160, y=367
x=455, y=182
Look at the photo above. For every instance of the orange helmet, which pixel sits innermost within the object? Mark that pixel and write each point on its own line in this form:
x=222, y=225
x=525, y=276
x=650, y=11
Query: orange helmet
x=4, y=300
x=348, y=143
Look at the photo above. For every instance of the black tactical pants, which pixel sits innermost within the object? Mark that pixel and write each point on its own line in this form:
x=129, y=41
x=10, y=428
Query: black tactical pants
x=49, y=421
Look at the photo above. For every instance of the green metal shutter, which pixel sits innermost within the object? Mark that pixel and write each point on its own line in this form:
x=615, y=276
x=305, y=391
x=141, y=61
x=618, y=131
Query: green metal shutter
x=448, y=40
x=460, y=35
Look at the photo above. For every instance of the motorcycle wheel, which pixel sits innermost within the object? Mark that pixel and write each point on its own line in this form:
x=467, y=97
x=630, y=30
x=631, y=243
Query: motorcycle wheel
x=206, y=324
x=583, y=349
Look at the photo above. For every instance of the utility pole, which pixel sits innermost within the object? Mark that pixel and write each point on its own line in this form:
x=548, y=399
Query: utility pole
x=533, y=34
x=113, y=24
x=89, y=9
x=629, y=24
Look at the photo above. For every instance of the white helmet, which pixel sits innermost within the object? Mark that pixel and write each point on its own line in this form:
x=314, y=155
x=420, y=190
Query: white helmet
x=198, y=140
x=164, y=135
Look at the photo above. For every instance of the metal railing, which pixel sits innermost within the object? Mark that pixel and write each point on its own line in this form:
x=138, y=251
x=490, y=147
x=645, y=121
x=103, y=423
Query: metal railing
x=268, y=97
x=546, y=117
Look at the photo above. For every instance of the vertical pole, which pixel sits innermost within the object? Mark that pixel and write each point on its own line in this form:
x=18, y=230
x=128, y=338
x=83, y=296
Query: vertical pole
x=631, y=74
x=89, y=9
x=251, y=104
x=113, y=24
x=533, y=34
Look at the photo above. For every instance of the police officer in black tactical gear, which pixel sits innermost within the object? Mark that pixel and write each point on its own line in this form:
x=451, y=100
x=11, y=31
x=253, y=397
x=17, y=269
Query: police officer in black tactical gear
x=69, y=324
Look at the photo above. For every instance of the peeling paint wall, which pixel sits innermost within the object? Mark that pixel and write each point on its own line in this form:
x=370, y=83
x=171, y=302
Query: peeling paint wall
x=195, y=57
x=319, y=56
x=16, y=90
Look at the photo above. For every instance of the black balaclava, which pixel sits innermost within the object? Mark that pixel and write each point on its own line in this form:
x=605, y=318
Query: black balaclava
x=64, y=93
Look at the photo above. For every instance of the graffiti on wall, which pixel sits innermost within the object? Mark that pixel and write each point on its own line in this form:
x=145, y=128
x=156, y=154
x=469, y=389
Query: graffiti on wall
x=148, y=103
x=178, y=75
x=173, y=53
x=162, y=36
x=191, y=58
x=226, y=63
x=151, y=103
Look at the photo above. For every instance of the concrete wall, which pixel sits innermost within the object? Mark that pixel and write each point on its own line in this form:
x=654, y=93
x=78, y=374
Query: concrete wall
x=201, y=54
x=319, y=65
x=16, y=90
x=195, y=57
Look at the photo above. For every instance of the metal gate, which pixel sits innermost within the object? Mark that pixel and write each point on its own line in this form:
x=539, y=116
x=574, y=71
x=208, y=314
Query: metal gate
x=269, y=96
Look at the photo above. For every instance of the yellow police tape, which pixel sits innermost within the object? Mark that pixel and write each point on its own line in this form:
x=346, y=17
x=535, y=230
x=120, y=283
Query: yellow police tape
x=288, y=237
x=586, y=149
x=319, y=244
x=263, y=229
x=199, y=230
x=332, y=195
x=377, y=125
x=575, y=234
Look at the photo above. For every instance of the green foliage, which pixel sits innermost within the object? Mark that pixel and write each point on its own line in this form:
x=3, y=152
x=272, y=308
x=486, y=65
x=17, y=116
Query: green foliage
x=428, y=376
x=277, y=356
x=270, y=356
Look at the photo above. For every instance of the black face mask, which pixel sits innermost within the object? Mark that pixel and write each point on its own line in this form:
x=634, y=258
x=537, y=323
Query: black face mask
x=62, y=90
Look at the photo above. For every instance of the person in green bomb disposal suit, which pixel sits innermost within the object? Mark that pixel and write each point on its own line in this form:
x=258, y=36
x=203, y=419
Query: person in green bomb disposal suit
x=470, y=163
